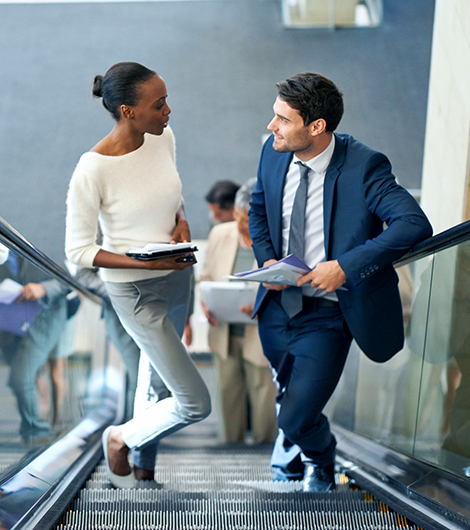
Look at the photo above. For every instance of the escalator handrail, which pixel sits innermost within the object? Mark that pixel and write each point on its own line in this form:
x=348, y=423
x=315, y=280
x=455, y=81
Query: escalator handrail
x=11, y=238
x=18, y=243
x=444, y=240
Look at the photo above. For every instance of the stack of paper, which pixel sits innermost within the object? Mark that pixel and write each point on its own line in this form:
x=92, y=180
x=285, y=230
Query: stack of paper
x=223, y=300
x=9, y=291
x=286, y=271
x=161, y=250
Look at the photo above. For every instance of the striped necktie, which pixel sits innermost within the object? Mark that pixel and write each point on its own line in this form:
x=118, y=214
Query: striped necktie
x=292, y=296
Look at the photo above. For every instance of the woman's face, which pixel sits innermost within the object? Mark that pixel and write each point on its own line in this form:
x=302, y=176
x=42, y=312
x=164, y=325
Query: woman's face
x=241, y=218
x=151, y=114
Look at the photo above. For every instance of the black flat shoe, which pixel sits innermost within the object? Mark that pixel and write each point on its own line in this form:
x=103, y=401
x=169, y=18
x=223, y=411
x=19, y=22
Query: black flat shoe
x=318, y=479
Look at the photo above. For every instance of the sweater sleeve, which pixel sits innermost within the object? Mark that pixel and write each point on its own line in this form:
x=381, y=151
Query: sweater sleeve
x=83, y=206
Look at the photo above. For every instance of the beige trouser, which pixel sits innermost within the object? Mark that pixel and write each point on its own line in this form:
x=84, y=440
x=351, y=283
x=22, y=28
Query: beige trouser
x=240, y=381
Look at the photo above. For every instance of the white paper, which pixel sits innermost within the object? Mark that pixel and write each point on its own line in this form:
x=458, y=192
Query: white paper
x=152, y=247
x=224, y=298
x=9, y=291
x=284, y=272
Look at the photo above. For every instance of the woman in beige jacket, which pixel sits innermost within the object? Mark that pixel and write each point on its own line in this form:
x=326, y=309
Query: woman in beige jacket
x=243, y=372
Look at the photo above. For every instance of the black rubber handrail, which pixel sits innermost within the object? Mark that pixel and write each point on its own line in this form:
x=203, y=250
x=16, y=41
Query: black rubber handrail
x=446, y=239
x=19, y=244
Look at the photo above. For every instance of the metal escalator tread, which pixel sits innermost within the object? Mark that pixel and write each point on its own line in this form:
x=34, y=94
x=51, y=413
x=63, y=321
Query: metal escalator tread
x=223, y=489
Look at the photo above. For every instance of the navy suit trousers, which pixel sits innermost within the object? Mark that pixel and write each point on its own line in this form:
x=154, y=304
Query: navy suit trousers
x=308, y=353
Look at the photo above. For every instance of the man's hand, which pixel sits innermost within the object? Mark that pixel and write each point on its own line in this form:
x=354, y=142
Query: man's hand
x=273, y=286
x=32, y=291
x=327, y=275
x=247, y=309
x=210, y=318
x=188, y=333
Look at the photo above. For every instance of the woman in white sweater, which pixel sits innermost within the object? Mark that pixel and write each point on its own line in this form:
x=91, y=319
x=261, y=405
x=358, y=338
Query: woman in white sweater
x=129, y=184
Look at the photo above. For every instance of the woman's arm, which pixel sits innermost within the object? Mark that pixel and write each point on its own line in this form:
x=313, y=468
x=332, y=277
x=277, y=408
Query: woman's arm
x=110, y=260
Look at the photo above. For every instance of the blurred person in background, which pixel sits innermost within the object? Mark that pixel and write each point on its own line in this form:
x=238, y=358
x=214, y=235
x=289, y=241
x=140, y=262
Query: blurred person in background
x=220, y=199
x=245, y=384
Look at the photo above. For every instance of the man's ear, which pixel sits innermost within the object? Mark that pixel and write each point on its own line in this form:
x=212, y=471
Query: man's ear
x=317, y=127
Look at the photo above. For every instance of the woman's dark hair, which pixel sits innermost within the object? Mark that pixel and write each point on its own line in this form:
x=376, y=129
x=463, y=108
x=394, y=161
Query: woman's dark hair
x=120, y=86
x=315, y=97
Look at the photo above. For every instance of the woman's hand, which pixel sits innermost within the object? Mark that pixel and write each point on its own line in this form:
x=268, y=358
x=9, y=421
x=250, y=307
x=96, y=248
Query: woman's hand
x=110, y=260
x=170, y=263
x=181, y=233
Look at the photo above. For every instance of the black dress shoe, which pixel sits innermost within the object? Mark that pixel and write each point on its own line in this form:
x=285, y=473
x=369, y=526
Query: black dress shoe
x=318, y=478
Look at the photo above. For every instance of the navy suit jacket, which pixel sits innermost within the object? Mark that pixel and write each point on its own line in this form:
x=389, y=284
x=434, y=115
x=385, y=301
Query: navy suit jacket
x=360, y=195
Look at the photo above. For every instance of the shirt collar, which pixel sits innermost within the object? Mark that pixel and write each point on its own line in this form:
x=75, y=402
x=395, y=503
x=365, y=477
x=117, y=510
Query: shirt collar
x=320, y=163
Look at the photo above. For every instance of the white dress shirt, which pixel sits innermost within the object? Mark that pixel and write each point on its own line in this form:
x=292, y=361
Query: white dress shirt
x=314, y=234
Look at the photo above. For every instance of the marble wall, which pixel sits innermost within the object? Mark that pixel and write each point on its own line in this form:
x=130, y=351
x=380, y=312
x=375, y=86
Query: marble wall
x=445, y=196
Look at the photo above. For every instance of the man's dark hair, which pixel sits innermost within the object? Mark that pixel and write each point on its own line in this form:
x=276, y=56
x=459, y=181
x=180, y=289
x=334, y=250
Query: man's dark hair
x=223, y=194
x=315, y=97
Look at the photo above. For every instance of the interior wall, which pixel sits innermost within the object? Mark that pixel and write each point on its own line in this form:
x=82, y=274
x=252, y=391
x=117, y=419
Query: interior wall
x=445, y=183
x=220, y=60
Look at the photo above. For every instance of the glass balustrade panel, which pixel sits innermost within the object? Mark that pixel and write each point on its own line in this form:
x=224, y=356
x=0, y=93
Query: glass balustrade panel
x=380, y=401
x=443, y=422
x=53, y=352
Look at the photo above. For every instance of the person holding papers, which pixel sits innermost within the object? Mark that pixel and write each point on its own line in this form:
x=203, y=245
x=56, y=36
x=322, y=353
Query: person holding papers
x=129, y=183
x=324, y=197
x=33, y=326
x=243, y=373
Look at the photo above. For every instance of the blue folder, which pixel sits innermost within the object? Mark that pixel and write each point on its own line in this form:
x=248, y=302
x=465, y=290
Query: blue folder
x=18, y=316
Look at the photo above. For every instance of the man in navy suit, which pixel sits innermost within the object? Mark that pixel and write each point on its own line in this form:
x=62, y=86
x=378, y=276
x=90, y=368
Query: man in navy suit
x=352, y=290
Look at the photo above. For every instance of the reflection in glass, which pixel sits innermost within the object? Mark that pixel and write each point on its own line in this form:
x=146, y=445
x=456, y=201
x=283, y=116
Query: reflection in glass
x=37, y=360
x=443, y=429
x=419, y=401
x=380, y=401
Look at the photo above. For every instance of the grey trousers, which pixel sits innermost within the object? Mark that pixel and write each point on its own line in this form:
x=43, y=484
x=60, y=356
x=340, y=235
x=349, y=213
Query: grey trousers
x=144, y=308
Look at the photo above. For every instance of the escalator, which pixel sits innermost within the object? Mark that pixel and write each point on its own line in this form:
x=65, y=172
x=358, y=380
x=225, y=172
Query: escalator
x=403, y=458
x=216, y=488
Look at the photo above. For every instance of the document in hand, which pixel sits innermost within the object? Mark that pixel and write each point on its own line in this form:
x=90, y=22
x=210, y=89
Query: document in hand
x=9, y=291
x=223, y=300
x=161, y=250
x=16, y=316
x=286, y=271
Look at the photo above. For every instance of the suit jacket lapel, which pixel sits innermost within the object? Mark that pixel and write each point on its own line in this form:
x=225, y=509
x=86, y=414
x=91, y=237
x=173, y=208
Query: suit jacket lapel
x=332, y=174
x=278, y=191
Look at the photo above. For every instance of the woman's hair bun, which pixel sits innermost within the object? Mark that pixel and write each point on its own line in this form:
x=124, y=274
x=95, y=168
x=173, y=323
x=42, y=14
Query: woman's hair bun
x=97, y=86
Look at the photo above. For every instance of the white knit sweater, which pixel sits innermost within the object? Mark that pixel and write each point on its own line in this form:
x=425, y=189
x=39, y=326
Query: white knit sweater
x=134, y=197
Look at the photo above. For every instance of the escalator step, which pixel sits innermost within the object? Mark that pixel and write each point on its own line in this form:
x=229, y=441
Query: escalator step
x=211, y=489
